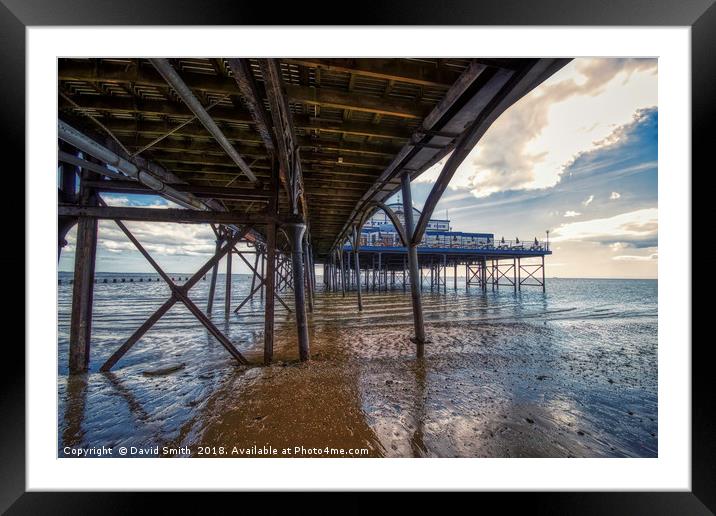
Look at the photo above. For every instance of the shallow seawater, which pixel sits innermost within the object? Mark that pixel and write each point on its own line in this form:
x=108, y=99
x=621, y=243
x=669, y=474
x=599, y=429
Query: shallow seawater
x=567, y=373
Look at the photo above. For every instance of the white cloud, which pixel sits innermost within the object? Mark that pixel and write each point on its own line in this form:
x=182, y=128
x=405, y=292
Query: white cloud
x=153, y=202
x=588, y=201
x=634, y=225
x=614, y=196
x=637, y=258
x=616, y=246
x=158, y=238
x=576, y=110
x=570, y=213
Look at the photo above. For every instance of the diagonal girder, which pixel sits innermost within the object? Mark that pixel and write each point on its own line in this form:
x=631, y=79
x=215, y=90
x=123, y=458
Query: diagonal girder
x=132, y=340
x=262, y=281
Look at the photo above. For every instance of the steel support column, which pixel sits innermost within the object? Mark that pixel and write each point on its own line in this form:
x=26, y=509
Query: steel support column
x=295, y=233
x=212, y=285
x=82, y=295
x=445, y=274
x=263, y=273
x=308, y=277
x=380, y=272
x=227, y=299
x=419, y=325
x=405, y=266
x=269, y=305
x=312, y=269
x=356, y=260
x=519, y=274
x=343, y=272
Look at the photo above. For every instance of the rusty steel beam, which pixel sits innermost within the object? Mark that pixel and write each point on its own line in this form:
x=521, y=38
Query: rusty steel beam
x=205, y=147
x=241, y=70
x=162, y=108
x=70, y=70
x=363, y=129
x=290, y=172
x=167, y=71
x=213, y=192
x=139, y=170
x=351, y=101
x=339, y=147
x=399, y=70
x=198, y=159
x=201, y=82
x=151, y=129
x=163, y=215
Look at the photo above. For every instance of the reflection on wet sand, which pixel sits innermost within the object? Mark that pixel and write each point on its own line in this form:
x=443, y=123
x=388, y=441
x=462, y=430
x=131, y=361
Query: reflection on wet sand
x=504, y=376
x=76, y=400
x=134, y=406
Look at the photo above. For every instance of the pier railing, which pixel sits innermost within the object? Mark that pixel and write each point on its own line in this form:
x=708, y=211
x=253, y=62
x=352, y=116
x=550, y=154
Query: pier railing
x=450, y=243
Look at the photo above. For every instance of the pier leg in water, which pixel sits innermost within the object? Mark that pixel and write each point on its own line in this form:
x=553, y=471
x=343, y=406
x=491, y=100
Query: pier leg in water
x=366, y=280
x=343, y=272
x=445, y=274
x=405, y=266
x=308, y=279
x=312, y=268
x=227, y=299
x=356, y=260
x=380, y=271
x=212, y=285
x=295, y=232
x=519, y=274
x=263, y=273
x=432, y=275
x=270, y=292
x=82, y=295
x=413, y=267
x=255, y=270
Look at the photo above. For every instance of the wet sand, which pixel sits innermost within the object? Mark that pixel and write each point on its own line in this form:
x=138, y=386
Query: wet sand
x=504, y=376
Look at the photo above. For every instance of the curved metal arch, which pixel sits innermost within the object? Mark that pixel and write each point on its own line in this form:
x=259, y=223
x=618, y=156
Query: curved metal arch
x=64, y=225
x=391, y=215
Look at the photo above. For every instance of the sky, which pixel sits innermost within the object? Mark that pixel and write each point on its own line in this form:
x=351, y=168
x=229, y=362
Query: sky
x=576, y=156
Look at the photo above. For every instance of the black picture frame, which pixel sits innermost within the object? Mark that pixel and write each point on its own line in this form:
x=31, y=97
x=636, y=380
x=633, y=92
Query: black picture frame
x=17, y=15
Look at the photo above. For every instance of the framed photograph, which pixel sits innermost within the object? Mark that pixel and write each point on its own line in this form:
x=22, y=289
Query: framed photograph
x=427, y=249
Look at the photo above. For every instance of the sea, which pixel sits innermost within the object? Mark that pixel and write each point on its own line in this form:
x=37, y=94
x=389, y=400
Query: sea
x=570, y=372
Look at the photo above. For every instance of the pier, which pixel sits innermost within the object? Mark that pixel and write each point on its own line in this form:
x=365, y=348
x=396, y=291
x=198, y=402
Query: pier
x=383, y=260
x=288, y=161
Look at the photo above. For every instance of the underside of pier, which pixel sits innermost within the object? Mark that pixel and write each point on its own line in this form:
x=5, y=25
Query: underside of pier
x=288, y=156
